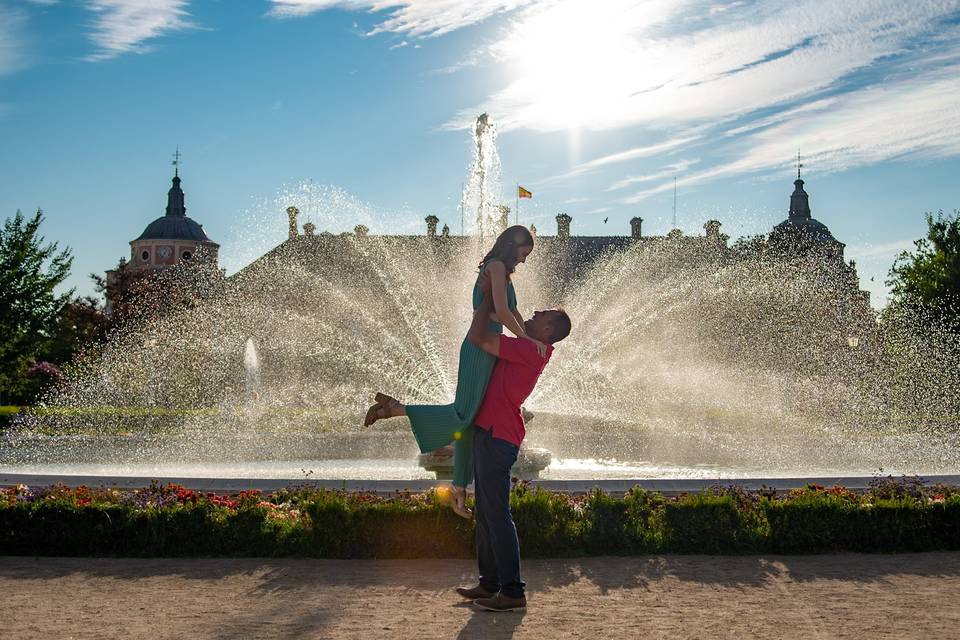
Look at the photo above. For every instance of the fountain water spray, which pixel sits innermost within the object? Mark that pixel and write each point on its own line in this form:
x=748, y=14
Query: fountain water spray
x=482, y=189
x=251, y=365
x=684, y=360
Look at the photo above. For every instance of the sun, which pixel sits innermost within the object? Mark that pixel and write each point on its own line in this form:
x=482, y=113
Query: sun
x=571, y=64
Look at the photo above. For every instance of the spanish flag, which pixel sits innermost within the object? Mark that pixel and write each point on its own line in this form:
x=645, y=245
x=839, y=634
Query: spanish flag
x=523, y=193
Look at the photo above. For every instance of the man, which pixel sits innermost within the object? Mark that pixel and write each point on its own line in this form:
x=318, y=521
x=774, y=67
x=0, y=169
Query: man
x=500, y=431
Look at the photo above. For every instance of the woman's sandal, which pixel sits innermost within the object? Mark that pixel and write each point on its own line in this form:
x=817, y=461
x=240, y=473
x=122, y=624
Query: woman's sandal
x=380, y=410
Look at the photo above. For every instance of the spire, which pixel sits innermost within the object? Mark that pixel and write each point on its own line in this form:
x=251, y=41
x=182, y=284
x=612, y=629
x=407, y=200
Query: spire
x=799, y=200
x=175, y=204
x=176, y=162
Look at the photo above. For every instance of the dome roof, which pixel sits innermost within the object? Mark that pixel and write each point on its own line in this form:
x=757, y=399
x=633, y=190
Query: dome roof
x=175, y=225
x=800, y=226
x=808, y=227
x=175, y=228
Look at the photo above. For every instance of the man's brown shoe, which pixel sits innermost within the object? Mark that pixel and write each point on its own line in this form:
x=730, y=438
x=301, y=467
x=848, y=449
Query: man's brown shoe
x=501, y=602
x=475, y=593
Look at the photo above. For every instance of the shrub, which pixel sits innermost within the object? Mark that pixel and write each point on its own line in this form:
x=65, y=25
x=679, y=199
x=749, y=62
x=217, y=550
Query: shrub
x=547, y=523
x=604, y=528
x=174, y=521
x=813, y=521
x=365, y=526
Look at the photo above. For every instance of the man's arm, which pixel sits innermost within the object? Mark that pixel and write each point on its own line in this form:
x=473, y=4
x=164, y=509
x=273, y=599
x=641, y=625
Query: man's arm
x=480, y=334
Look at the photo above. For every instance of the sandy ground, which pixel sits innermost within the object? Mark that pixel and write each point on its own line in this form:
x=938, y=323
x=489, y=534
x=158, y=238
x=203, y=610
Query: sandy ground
x=831, y=596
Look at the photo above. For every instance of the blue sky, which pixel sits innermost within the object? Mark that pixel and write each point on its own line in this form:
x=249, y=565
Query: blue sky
x=360, y=109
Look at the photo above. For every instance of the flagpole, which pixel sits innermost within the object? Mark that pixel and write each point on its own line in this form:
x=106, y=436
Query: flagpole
x=516, y=215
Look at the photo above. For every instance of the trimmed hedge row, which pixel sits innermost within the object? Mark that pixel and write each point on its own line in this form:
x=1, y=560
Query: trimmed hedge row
x=173, y=521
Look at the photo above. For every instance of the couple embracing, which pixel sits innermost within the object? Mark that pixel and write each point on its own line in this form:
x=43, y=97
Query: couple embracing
x=485, y=421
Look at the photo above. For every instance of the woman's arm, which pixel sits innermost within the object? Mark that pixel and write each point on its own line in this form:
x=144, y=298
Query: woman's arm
x=485, y=280
x=498, y=289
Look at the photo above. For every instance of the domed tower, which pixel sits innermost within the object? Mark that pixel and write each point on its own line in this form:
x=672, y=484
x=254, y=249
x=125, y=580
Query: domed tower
x=172, y=237
x=800, y=233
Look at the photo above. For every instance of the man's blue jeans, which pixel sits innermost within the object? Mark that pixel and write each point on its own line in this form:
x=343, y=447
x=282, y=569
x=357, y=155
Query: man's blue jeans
x=498, y=550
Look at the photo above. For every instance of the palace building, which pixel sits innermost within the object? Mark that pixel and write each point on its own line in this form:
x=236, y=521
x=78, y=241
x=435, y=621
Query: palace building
x=174, y=239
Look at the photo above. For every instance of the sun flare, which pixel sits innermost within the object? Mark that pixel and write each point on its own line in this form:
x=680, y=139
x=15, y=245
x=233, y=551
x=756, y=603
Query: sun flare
x=572, y=63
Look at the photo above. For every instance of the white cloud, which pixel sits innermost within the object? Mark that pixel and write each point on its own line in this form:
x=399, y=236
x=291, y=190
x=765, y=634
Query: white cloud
x=787, y=114
x=914, y=117
x=123, y=26
x=779, y=74
x=471, y=60
x=885, y=251
x=622, y=156
x=399, y=45
x=668, y=172
x=12, y=25
x=417, y=18
x=579, y=63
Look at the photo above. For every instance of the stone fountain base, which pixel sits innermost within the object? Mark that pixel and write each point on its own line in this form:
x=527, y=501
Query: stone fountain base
x=530, y=462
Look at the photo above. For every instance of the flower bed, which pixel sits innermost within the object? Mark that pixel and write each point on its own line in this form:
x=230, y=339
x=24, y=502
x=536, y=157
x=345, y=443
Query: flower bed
x=894, y=515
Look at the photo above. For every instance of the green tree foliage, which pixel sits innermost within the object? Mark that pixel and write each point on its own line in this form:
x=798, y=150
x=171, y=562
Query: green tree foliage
x=83, y=322
x=928, y=278
x=30, y=308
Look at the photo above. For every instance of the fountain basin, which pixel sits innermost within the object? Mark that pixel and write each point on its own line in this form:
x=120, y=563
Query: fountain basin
x=530, y=462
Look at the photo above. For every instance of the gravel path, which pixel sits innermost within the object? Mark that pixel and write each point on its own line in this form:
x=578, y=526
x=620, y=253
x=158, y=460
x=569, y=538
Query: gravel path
x=828, y=596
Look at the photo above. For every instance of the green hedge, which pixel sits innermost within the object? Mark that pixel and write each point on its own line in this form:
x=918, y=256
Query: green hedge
x=173, y=521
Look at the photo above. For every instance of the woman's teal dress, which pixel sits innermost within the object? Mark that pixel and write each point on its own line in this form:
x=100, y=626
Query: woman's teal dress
x=436, y=426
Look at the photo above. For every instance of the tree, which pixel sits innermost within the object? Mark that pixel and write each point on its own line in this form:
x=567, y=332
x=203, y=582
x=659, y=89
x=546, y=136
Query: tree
x=927, y=279
x=30, y=308
x=136, y=295
x=82, y=323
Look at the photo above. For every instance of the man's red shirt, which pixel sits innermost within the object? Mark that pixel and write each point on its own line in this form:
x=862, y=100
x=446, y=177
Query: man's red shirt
x=515, y=375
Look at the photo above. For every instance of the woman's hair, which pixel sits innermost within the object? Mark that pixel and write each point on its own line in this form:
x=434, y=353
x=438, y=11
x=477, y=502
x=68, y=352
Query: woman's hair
x=506, y=248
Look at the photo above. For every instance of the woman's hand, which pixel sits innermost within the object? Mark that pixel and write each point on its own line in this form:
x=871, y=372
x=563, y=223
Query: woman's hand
x=541, y=348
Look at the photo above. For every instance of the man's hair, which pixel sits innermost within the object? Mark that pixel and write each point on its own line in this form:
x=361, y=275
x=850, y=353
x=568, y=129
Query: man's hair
x=561, y=325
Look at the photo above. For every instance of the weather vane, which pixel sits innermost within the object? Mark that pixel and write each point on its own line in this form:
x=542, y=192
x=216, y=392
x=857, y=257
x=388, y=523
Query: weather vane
x=176, y=161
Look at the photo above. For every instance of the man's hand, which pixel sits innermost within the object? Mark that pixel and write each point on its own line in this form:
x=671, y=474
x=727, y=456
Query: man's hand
x=483, y=281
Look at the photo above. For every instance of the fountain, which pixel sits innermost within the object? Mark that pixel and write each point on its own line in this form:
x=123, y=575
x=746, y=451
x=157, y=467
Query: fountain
x=251, y=365
x=482, y=188
x=683, y=362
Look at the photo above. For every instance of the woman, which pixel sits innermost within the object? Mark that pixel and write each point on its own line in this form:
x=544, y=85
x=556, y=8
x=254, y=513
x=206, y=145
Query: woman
x=436, y=426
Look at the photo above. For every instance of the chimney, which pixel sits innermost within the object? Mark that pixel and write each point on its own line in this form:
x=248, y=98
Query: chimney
x=432, y=221
x=533, y=230
x=292, y=213
x=504, y=217
x=563, y=225
x=635, y=225
x=712, y=227
x=309, y=228
x=446, y=231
